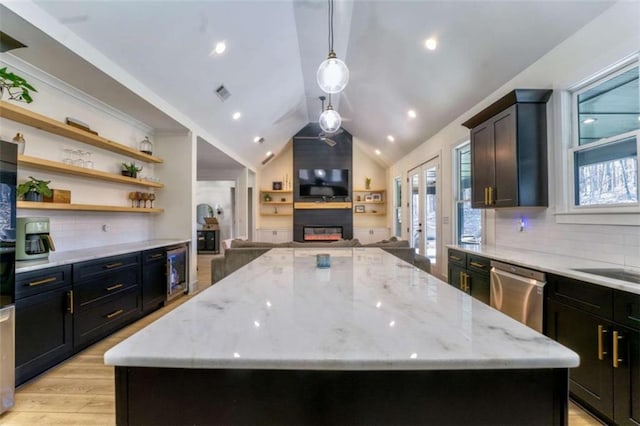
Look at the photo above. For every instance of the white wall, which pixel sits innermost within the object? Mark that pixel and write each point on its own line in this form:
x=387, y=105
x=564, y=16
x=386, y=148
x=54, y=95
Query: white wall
x=217, y=193
x=364, y=165
x=78, y=230
x=612, y=36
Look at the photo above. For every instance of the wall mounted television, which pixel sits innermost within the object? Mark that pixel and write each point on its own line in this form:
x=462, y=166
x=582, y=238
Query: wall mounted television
x=323, y=183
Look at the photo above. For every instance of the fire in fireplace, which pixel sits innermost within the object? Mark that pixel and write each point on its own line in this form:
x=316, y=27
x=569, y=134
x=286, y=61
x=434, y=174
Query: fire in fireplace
x=321, y=233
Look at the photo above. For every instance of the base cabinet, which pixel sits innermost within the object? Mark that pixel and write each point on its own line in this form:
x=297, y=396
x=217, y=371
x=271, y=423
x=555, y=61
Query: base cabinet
x=154, y=279
x=275, y=235
x=43, y=321
x=470, y=273
x=370, y=235
x=582, y=317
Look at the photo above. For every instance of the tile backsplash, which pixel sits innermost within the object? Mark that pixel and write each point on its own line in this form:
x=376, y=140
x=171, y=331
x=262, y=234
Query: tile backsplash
x=608, y=243
x=85, y=229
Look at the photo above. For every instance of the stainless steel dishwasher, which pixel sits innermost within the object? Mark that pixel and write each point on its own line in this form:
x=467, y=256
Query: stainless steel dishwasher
x=518, y=292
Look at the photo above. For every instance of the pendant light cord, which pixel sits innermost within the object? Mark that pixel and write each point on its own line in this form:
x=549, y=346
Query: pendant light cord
x=330, y=25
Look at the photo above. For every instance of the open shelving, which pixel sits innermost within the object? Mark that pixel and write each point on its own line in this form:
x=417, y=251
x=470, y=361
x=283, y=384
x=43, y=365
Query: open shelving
x=85, y=207
x=39, y=121
x=53, y=166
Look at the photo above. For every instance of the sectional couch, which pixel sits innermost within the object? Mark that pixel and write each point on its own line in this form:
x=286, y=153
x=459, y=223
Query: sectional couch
x=242, y=252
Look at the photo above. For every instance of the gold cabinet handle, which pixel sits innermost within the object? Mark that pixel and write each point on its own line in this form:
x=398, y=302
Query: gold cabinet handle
x=40, y=282
x=490, y=195
x=115, y=314
x=113, y=265
x=601, y=352
x=114, y=287
x=616, y=338
x=70, y=301
x=455, y=257
x=477, y=265
x=467, y=287
x=159, y=255
x=461, y=278
x=486, y=196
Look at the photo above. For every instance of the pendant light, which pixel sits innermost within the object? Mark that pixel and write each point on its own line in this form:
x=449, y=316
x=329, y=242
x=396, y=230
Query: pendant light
x=333, y=74
x=330, y=121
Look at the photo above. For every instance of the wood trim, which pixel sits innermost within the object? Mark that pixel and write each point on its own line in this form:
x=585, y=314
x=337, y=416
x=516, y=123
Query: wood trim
x=40, y=163
x=322, y=205
x=276, y=214
x=33, y=119
x=277, y=191
x=85, y=207
x=281, y=203
x=515, y=96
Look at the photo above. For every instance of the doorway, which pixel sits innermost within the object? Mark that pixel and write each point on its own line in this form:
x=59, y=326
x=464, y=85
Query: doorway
x=424, y=211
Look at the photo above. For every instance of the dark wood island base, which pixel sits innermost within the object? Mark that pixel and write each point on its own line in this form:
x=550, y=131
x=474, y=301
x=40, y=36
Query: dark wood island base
x=174, y=396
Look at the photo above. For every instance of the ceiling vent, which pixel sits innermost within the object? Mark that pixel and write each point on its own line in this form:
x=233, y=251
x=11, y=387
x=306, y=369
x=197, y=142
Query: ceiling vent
x=223, y=93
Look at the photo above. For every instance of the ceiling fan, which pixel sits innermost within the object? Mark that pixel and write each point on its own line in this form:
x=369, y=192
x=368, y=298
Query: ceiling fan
x=323, y=136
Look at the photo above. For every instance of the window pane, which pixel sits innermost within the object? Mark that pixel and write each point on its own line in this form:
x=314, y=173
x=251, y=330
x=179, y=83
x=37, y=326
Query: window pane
x=607, y=174
x=610, y=108
x=464, y=167
x=469, y=224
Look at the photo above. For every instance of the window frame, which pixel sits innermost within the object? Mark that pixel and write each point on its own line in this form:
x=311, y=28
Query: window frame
x=458, y=197
x=618, y=214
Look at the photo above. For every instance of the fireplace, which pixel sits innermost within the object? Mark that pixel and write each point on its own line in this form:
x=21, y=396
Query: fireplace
x=321, y=233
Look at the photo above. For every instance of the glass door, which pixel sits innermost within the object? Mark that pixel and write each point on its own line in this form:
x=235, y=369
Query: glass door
x=424, y=187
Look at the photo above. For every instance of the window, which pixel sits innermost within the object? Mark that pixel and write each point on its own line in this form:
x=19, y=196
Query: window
x=469, y=221
x=397, y=206
x=605, y=152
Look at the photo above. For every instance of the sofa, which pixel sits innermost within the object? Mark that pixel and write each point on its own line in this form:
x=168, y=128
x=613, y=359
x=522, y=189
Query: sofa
x=242, y=252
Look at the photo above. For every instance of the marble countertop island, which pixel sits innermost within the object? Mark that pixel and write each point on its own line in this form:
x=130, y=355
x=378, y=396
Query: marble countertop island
x=368, y=311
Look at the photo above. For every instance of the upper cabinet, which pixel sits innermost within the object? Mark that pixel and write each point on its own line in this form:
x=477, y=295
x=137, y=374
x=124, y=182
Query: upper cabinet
x=509, y=151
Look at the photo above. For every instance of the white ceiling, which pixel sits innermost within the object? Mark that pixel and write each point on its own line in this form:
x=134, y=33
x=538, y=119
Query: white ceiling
x=274, y=48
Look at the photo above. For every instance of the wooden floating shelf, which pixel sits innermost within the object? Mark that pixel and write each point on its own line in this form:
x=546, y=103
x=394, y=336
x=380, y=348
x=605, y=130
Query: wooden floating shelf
x=279, y=191
x=370, y=202
x=39, y=163
x=369, y=190
x=276, y=214
x=370, y=214
x=33, y=119
x=85, y=207
x=283, y=203
x=323, y=205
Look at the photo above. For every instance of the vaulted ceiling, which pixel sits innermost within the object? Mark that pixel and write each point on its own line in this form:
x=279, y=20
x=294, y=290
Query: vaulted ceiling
x=274, y=49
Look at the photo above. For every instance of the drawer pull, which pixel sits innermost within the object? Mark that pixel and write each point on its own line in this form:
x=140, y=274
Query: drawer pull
x=44, y=281
x=113, y=265
x=490, y=195
x=70, y=301
x=455, y=257
x=115, y=314
x=601, y=352
x=115, y=287
x=156, y=256
x=477, y=265
x=616, y=339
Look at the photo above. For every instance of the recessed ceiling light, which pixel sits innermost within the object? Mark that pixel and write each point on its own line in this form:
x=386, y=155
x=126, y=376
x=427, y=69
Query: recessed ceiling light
x=236, y=115
x=269, y=153
x=431, y=43
x=377, y=151
x=411, y=113
x=256, y=139
x=219, y=48
x=391, y=138
x=589, y=120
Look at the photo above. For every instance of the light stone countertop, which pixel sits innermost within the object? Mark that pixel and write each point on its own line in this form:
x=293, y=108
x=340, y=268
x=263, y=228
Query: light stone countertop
x=553, y=263
x=74, y=256
x=368, y=311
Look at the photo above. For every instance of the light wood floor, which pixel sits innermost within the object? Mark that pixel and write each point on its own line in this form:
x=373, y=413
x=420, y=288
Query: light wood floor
x=80, y=391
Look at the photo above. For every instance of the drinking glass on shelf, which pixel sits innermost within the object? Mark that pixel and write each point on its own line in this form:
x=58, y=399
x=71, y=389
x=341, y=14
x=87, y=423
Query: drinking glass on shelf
x=138, y=198
x=68, y=155
x=152, y=197
x=145, y=197
x=87, y=162
x=132, y=197
x=77, y=158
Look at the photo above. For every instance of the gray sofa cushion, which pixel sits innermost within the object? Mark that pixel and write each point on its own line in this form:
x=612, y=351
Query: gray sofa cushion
x=257, y=244
x=341, y=243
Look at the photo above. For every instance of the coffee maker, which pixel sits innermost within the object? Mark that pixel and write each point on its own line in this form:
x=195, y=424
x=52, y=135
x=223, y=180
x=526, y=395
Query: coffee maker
x=33, y=240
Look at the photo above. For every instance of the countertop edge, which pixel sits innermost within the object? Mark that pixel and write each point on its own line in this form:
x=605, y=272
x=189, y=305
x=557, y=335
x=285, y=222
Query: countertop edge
x=91, y=253
x=488, y=252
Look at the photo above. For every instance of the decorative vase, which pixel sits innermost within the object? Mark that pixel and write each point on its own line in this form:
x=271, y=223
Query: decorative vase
x=33, y=196
x=367, y=183
x=146, y=146
x=19, y=140
x=125, y=173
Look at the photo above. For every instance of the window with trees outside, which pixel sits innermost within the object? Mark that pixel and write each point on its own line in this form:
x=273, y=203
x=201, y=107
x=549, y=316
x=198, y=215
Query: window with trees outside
x=605, y=149
x=468, y=220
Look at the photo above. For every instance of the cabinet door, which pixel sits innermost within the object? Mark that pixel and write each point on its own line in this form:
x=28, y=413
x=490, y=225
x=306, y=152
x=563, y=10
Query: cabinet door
x=592, y=381
x=379, y=234
x=627, y=377
x=154, y=280
x=482, y=163
x=265, y=235
x=479, y=286
x=505, y=189
x=43, y=332
x=456, y=276
x=282, y=236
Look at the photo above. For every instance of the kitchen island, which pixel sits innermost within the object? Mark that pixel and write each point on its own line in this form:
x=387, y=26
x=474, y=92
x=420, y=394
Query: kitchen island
x=370, y=340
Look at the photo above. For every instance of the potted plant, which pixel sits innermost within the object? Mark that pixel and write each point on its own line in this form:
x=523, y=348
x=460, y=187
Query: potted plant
x=16, y=86
x=130, y=169
x=367, y=183
x=34, y=189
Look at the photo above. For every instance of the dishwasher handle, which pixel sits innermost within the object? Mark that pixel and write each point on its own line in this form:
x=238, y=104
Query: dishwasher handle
x=519, y=271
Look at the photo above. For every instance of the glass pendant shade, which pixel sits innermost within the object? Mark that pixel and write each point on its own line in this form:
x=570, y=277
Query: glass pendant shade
x=330, y=120
x=333, y=75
